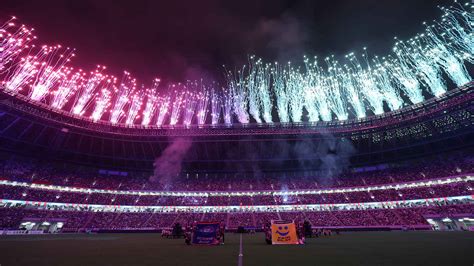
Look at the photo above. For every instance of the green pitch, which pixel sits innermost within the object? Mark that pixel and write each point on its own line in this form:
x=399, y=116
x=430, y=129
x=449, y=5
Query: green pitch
x=362, y=248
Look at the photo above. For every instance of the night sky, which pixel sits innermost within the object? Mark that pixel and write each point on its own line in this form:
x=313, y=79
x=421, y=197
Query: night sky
x=177, y=40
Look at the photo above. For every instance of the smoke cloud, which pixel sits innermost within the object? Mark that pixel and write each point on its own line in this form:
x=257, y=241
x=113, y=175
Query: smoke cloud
x=325, y=158
x=335, y=157
x=286, y=37
x=169, y=164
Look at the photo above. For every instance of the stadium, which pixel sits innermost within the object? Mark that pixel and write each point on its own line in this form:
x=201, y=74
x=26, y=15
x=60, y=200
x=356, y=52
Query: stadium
x=365, y=160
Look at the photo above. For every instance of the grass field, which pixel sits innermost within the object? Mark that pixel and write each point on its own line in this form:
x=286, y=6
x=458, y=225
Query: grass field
x=362, y=248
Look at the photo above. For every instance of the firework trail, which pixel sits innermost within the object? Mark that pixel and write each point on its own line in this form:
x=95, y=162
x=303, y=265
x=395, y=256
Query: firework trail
x=50, y=70
x=13, y=40
x=216, y=107
x=135, y=106
x=86, y=91
x=151, y=103
x=163, y=103
x=281, y=94
x=202, y=108
x=227, y=105
x=123, y=92
x=102, y=103
x=68, y=86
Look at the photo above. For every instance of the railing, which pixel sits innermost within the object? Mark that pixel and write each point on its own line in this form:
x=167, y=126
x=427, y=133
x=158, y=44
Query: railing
x=55, y=206
x=246, y=193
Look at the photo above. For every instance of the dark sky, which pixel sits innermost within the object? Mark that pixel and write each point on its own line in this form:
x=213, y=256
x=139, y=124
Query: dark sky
x=177, y=40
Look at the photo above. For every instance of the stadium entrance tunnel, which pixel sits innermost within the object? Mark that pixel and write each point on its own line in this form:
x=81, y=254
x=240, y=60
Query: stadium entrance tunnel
x=451, y=223
x=41, y=225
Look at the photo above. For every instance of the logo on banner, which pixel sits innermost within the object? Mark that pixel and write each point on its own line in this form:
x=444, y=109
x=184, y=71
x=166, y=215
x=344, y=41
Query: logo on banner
x=206, y=233
x=283, y=230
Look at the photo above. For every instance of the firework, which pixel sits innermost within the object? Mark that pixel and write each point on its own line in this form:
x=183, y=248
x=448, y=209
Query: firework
x=68, y=85
x=357, y=85
x=86, y=91
x=177, y=103
x=49, y=70
x=151, y=103
x=280, y=90
x=164, y=103
x=13, y=40
x=227, y=105
x=216, y=107
x=122, y=97
x=238, y=95
x=202, y=108
x=101, y=104
x=189, y=105
x=134, y=109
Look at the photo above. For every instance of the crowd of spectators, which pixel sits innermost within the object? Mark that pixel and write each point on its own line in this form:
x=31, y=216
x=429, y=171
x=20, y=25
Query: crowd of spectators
x=80, y=220
x=32, y=172
x=65, y=175
x=392, y=194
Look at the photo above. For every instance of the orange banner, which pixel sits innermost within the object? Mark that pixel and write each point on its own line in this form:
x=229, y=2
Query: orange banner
x=284, y=233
